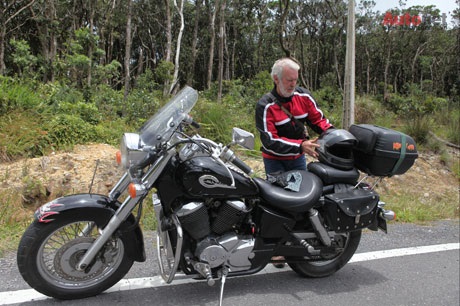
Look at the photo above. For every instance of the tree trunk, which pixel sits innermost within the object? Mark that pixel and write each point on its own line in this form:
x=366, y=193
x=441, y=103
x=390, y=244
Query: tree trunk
x=168, y=50
x=2, y=48
x=221, y=48
x=212, y=20
x=191, y=72
x=90, y=46
x=128, y=49
x=284, y=12
x=180, y=10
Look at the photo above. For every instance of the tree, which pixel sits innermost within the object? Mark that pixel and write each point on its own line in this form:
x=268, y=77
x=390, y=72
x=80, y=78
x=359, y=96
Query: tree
x=223, y=4
x=9, y=11
x=212, y=12
x=180, y=10
x=128, y=49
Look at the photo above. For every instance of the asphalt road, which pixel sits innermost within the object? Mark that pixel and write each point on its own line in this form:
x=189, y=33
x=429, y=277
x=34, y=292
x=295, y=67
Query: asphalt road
x=417, y=278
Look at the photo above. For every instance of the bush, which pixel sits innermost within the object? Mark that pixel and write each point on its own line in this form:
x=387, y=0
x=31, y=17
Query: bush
x=66, y=130
x=23, y=135
x=453, y=127
x=15, y=94
x=418, y=128
x=108, y=101
x=86, y=111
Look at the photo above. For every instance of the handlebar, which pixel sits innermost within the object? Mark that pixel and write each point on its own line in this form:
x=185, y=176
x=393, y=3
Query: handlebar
x=242, y=165
x=189, y=120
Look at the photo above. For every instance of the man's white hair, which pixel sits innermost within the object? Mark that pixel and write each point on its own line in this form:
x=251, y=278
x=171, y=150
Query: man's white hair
x=279, y=65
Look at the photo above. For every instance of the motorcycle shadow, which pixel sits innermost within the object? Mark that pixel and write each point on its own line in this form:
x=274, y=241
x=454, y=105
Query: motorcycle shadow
x=279, y=288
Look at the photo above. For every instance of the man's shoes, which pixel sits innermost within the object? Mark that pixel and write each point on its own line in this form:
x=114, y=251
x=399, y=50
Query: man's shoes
x=278, y=265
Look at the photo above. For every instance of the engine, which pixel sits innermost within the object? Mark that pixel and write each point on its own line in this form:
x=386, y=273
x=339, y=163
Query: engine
x=216, y=229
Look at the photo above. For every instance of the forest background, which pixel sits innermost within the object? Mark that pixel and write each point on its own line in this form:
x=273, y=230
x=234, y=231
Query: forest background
x=75, y=72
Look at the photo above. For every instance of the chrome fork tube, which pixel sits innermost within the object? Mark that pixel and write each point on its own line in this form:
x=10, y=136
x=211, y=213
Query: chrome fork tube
x=124, y=211
x=121, y=186
x=121, y=214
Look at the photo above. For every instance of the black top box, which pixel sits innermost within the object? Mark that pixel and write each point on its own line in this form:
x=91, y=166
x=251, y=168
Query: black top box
x=381, y=151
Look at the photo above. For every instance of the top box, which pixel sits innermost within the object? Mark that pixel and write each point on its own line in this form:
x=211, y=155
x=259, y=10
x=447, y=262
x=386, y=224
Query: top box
x=381, y=151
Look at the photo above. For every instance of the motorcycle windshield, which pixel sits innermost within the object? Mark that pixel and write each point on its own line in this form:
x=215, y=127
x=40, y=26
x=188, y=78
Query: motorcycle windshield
x=162, y=125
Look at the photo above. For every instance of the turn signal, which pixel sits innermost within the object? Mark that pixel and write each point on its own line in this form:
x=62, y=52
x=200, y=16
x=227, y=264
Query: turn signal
x=132, y=190
x=118, y=157
x=389, y=215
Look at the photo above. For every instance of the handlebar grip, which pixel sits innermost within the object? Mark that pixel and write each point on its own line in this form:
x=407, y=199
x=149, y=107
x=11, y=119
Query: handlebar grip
x=242, y=165
x=195, y=124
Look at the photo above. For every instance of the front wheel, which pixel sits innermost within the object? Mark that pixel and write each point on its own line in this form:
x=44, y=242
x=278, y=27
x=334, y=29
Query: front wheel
x=323, y=268
x=48, y=254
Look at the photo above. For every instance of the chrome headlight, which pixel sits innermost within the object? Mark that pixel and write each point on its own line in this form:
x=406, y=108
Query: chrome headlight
x=131, y=150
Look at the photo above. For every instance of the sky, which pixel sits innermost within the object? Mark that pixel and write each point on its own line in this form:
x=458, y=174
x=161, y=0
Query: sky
x=445, y=6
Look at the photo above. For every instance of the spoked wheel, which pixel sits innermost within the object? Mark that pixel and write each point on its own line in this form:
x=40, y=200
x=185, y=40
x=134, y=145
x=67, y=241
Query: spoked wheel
x=48, y=256
x=330, y=265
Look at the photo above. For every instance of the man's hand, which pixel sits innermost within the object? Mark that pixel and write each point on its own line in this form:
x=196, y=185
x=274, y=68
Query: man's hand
x=309, y=147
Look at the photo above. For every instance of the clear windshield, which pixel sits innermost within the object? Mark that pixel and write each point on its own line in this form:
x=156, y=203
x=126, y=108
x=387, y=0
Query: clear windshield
x=161, y=126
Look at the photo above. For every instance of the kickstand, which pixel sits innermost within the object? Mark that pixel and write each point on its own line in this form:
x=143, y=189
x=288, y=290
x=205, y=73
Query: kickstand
x=222, y=284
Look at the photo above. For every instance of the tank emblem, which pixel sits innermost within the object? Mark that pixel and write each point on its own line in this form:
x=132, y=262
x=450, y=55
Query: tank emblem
x=210, y=181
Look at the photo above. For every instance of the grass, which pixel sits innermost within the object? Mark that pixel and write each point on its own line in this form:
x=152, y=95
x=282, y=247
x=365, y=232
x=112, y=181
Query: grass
x=415, y=208
x=14, y=219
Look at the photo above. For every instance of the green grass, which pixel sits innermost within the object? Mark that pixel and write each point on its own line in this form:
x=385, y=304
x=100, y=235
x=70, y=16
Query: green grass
x=14, y=219
x=416, y=208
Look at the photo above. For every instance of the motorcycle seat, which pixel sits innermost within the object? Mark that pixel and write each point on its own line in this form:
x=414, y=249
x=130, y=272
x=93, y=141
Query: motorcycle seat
x=308, y=195
x=330, y=175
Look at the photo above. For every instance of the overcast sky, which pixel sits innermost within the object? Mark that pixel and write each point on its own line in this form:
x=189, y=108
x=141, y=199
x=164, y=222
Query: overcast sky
x=445, y=6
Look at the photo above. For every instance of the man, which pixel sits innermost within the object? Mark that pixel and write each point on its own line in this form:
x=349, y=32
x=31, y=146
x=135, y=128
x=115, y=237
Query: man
x=281, y=116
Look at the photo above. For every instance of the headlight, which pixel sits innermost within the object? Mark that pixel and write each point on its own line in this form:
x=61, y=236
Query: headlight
x=131, y=150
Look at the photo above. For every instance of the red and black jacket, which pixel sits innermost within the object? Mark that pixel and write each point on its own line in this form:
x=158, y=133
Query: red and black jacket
x=281, y=137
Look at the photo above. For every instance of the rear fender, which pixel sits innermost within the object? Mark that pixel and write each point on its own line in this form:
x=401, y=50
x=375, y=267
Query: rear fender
x=103, y=209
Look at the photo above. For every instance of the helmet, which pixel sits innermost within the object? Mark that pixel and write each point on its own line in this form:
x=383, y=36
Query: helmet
x=336, y=148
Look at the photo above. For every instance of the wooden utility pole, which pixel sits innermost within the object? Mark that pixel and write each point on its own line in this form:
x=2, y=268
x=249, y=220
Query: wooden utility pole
x=349, y=80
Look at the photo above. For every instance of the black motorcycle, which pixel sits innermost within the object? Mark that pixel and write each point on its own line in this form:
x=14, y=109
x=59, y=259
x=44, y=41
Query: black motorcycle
x=214, y=219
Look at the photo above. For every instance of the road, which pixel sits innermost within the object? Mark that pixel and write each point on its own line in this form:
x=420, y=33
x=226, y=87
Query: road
x=411, y=265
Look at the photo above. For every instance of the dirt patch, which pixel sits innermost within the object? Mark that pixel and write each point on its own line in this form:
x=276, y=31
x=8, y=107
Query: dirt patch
x=39, y=179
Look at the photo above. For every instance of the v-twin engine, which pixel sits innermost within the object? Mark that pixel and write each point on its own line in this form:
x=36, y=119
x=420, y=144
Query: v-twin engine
x=215, y=229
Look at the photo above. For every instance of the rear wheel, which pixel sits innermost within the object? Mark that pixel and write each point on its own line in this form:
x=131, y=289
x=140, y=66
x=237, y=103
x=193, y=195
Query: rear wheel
x=48, y=255
x=326, y=267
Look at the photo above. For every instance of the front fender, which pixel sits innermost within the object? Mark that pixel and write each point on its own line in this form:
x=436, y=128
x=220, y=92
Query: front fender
x=95, y=205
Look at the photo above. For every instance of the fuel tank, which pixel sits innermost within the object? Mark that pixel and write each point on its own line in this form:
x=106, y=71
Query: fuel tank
x=203, y=176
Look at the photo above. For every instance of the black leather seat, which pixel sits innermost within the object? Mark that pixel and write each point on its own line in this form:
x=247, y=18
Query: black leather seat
x=330, y=175
x=310, y=191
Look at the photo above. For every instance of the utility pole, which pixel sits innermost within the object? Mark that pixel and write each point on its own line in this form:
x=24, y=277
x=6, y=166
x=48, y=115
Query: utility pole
x=349, y=80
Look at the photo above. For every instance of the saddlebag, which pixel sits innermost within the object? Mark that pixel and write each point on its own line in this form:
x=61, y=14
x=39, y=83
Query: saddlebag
x=353, y=209
x=381, y=151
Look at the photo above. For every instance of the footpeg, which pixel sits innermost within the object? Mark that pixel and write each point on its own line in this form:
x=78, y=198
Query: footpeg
x=205, y=271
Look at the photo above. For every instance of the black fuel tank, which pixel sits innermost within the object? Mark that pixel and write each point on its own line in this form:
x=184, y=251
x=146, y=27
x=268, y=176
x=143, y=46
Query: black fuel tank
x=203, y=176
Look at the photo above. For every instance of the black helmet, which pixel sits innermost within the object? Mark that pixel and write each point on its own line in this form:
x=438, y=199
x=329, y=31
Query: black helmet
x=336, y=148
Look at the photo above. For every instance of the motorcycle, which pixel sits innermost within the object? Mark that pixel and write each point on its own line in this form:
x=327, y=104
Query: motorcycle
x=215, y=219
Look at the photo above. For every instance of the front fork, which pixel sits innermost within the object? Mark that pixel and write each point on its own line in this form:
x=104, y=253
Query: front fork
x=126, y=208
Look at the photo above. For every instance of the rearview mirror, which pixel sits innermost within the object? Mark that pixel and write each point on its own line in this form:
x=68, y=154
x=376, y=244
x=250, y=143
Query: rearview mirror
x=243, y=138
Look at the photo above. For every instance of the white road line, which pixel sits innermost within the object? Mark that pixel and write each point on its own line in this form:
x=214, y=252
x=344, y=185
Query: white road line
x=30, y=295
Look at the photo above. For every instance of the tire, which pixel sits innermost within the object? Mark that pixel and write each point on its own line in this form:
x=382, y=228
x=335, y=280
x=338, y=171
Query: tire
x=48, y=253
x=323, y=268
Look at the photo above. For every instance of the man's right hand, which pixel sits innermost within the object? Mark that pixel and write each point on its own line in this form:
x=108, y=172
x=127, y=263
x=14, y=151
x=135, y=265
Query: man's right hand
x=309, y=147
